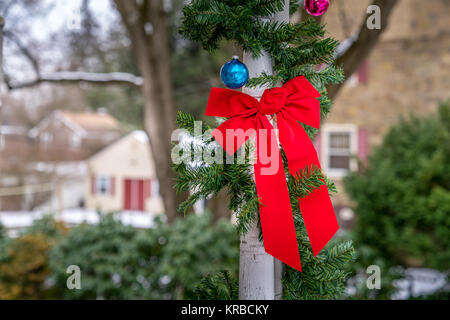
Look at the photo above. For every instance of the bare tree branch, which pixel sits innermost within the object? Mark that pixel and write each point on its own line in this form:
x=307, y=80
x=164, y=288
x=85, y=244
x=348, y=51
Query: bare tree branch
x=23, y=49
x=68, y=77
x=65, y=77
x=354, y=50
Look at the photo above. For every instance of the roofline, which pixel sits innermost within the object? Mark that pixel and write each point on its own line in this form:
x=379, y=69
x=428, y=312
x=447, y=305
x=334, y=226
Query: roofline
x=112, y=145
x=60, y=116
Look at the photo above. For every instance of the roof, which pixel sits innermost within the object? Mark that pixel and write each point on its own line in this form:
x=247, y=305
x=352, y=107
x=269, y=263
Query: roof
x=80, y=122
x=91, y=121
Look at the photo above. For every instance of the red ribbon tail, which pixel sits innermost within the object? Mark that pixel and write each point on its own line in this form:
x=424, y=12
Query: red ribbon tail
x=319, y=217
x=277, y=221
x=316, y=208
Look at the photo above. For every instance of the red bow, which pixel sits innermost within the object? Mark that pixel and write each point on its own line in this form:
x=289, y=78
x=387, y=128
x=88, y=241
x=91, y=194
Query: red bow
x=295, y=101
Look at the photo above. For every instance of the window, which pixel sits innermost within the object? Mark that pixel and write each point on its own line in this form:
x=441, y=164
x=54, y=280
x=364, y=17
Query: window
x=75, y=141
x=102, y=184
x=340, y=148
x=46, y=138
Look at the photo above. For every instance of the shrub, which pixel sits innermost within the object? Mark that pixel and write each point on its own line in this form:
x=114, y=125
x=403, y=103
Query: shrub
x=121, y=262
x=24, y=261
x=403, y=196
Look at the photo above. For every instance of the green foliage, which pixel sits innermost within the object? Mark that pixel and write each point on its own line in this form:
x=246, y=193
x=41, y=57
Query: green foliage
x=208, y=179
x=4, y=241
x=323, y=277
x=116, y=261
x=220, y=286
x=47, y=226
x=296, y=49
x=121, y=262
x=23, y=272
x=24, y=260
x=403, y=197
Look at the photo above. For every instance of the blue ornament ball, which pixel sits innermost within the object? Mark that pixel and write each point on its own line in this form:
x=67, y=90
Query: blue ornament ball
x=234, y=74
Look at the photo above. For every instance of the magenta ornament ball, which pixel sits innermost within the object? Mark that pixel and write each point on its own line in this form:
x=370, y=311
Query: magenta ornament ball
x=317, y=7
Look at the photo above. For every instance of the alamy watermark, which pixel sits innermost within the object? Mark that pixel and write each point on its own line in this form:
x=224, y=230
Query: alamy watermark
x=374, y=279
x=74, y=280
x=374, y=20
x=200, y=147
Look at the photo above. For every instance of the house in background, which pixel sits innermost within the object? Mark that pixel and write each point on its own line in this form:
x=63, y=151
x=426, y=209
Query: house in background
x=122, y=177
x=43, y=168
x=68, y=135
x=406, y=73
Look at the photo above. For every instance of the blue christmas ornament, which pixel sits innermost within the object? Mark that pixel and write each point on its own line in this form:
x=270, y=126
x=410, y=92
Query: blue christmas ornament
x=234, y=74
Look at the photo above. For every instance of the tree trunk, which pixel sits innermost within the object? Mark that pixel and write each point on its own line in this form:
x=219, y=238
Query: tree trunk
x=146, y=25
x=364, y=44
x=218, y=206
x=259, y=273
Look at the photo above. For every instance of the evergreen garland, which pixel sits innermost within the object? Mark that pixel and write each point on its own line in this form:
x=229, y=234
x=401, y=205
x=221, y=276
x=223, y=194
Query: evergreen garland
x=296, y=49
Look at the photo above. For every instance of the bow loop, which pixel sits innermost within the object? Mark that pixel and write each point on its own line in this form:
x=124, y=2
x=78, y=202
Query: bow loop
x=272, y=101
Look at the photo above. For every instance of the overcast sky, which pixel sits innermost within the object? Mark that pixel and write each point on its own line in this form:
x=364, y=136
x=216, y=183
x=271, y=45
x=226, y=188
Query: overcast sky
x=63, y=16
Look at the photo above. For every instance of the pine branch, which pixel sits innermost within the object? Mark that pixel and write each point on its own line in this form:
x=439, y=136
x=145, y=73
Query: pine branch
x=297, y=50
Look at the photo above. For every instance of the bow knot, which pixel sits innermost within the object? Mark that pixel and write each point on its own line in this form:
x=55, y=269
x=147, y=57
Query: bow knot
x=272, y=101
x=295, y=102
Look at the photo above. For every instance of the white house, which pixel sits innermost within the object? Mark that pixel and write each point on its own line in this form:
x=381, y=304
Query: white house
x=122, y=177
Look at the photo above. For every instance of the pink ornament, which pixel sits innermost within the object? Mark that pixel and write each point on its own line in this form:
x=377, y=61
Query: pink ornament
x=317, y=7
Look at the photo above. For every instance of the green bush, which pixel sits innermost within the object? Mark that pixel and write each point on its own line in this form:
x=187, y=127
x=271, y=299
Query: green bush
x=24, y=261
x=403, y=197
x=165, y=262
x=219, y=286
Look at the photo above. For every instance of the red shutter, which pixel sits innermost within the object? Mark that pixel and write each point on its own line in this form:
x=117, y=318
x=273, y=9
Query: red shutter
x=363, y=145
x=317, y=144
x=363, y=73
x=147, y=188
x=93, y=184
x=112, y=189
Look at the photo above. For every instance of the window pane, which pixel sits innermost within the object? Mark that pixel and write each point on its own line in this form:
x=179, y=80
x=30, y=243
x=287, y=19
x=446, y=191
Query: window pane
x=103, y=184
x=340, y=162
x=340, y=140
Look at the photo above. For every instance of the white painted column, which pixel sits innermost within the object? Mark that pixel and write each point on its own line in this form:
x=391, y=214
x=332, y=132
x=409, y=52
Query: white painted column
x=259, y=273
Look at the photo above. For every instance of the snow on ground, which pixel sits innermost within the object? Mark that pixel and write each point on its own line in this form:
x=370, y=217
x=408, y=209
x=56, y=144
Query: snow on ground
x=17, y=220
x=418, y=282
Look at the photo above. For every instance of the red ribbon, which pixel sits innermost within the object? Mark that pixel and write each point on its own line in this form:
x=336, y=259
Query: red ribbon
x=294, y=101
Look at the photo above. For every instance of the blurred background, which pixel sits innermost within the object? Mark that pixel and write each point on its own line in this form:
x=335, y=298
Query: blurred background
x=88, y=103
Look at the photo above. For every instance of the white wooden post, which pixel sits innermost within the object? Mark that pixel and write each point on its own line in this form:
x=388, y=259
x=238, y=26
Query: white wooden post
x=259, y=273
